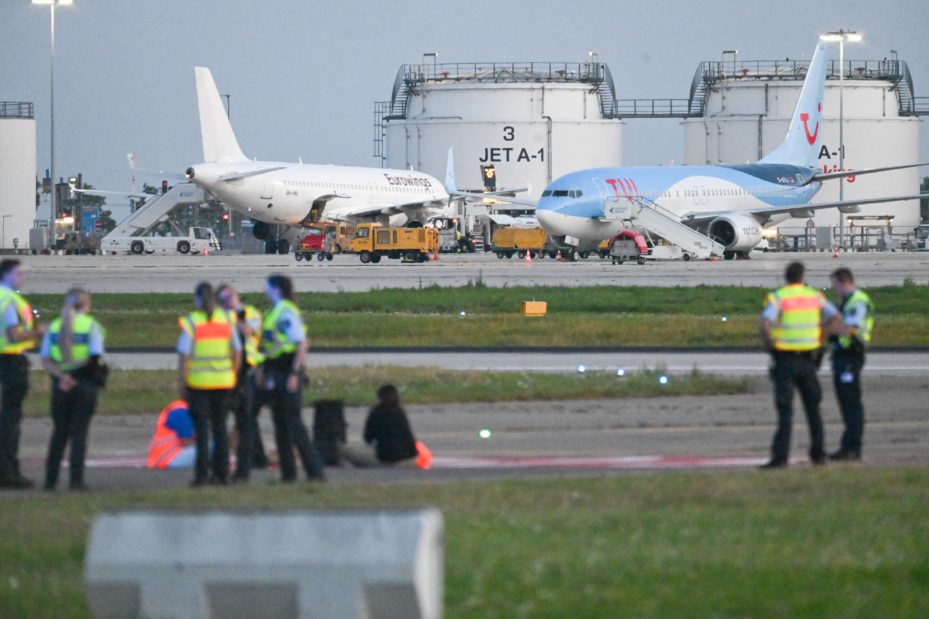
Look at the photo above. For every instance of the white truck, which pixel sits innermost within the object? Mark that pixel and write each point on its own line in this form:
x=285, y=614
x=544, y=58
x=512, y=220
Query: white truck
x=196, y=240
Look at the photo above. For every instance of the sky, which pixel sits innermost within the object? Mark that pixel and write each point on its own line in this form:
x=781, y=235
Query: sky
x=303, y=75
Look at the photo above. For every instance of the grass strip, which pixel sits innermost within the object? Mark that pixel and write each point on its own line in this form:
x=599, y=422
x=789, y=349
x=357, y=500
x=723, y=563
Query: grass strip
x=840, y=542
x=590, y=316
x=133, y=392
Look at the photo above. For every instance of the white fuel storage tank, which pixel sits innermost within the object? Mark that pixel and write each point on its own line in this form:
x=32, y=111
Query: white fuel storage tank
x=747, y=106
x=17, y=173
x=532, y=121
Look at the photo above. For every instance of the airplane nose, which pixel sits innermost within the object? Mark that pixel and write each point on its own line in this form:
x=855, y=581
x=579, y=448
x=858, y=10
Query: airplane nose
x=551, y=221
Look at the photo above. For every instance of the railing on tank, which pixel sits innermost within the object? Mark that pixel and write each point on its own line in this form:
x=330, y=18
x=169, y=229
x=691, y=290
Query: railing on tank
x=651, y=108
x=411, y=76
x=894, y=71
x=16, y=109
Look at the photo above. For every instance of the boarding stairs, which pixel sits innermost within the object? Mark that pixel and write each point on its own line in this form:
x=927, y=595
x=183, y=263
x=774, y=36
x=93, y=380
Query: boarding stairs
x=641, y=212
x=156, y=209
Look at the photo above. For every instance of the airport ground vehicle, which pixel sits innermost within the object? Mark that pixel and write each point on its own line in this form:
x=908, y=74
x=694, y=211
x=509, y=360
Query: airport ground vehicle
x=194, y=242
x=628, y=245
x=317, y=243
x=373, y=242
x=507, y=241
x=75, y=243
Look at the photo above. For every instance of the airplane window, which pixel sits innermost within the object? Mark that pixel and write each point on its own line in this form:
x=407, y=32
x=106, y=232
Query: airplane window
x=546, y=193
x=560, y=193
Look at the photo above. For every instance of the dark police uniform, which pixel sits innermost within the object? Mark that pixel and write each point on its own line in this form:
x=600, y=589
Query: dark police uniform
x=848, y=357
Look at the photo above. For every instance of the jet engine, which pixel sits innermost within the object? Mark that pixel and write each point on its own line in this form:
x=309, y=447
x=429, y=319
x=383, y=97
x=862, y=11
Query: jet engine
x=261, y=230
x=739, y=233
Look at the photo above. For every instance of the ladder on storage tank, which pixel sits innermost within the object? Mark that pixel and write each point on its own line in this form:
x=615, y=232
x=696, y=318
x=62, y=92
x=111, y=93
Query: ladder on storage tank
x=156, y=209
x=643, y=213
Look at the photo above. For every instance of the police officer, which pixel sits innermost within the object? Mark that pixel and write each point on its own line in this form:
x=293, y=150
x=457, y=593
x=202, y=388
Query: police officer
x=71, y=351
x=18, y=333
x=792, y=331
x=209, y=352
x=284, y=344
x=244, y=404
x=848, y=356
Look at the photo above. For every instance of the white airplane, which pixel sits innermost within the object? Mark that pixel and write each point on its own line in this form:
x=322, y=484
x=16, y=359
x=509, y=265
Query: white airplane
x=728, y=203
x=295, y=194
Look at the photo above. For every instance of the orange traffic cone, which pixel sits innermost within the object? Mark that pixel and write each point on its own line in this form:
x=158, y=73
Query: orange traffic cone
x=206, y=250
x=558, y=257
x=435, y=257
x=835, y=252
x=528, y=259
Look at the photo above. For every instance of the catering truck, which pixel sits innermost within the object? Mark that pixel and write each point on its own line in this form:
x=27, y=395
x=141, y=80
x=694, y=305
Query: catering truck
x=373, y=242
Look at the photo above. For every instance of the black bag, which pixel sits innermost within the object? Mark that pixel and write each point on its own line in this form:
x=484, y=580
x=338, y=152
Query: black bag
x=96, y=371
x=329, y=429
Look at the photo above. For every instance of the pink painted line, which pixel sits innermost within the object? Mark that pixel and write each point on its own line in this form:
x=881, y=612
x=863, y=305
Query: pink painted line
x=531, y=462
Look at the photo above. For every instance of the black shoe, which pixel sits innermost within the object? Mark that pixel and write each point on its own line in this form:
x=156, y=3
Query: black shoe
x=49, y=486
x=318, y=478
x=198, y=483
x=818, y=461
x=16, y=483
x=845, y=456
x=772, y=464
x=78, y=487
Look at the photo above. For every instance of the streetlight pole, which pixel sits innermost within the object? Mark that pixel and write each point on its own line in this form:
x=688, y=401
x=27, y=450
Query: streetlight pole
x=840, y=37
x=54, y=198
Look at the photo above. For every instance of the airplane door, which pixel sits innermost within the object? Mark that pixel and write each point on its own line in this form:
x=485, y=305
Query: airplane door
x=267, y=191
x=609, y=199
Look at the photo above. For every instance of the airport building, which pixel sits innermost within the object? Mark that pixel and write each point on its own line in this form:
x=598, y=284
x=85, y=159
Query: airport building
x=739, y=110
x=532, y=121
x=17, y=173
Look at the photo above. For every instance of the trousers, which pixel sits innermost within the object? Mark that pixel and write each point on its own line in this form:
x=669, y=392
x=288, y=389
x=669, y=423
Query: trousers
x=290, y=431
x=796, y=369
x=846, y=375
x=71, y=415
x=14, y=385
x=208, y=410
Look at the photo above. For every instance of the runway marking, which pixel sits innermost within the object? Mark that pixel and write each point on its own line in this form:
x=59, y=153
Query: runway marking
x=530, y=462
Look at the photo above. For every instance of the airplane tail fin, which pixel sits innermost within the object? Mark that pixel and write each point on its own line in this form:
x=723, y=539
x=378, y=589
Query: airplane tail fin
x=801, y=145
x=450, y=186
x=219, y=143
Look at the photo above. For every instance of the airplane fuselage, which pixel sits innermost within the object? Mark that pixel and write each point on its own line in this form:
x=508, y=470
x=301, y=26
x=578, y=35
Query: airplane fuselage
x=580, y=204
x=297, y=193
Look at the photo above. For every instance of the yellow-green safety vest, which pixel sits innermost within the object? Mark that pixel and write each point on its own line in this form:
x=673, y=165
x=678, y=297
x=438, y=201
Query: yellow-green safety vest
x=274, y=340
x=799, y=324
x=26, y=319
x=252, y=343
x=864, y=332
x=80, y=348
x=211, y=352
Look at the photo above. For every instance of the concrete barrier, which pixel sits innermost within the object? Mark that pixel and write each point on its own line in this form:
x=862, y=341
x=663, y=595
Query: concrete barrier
x=227, y=565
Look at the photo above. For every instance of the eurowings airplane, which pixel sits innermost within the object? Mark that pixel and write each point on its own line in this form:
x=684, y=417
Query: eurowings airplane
x=293, y=194
x=728, y=203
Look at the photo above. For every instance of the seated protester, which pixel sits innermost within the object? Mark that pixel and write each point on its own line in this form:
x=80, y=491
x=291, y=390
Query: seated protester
x=172, y=445
x=387, y=435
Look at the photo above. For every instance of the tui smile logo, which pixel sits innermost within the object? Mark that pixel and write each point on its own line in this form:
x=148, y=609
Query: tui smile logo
x=810, y=137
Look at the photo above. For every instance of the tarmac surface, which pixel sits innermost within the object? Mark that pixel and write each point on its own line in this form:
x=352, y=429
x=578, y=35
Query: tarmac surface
x=561, y=438
x=53, y=274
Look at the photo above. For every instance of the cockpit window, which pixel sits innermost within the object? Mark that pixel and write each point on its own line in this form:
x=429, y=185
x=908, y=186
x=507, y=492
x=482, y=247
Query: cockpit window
x=546, y=193
x=560, y=193
x=576, y=193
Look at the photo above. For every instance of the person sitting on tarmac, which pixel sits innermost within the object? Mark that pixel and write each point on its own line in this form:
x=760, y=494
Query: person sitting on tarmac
x=172, y=445
x=388, y=439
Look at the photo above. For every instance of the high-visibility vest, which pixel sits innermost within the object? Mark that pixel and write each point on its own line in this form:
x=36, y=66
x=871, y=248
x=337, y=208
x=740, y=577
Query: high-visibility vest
x=26, y=319
x=864, y=332
x=252, y=343
x=274, y=340
x=799, y=325
x=80, y=347
x=211, y=364
x=166, y=444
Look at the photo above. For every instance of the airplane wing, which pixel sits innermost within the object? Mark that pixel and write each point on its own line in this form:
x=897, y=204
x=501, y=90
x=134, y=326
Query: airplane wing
x=804, y=210
x=495, y=195
x=831, y=175
x=101, y=192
